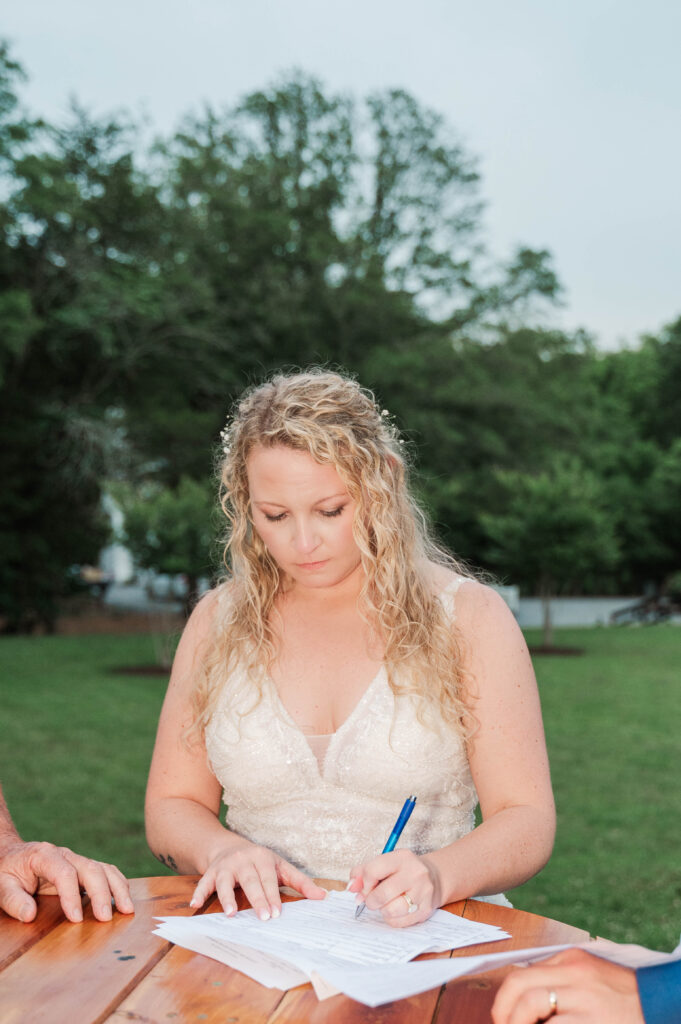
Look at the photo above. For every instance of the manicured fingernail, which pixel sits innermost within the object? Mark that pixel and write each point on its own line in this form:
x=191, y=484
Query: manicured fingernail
x=275, y=912
x=263, y=915
x=230, y=909
x=193, y=902
x=104, y=912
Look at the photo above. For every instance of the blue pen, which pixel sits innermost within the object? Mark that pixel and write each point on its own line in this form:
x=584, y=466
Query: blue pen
x=398, y=827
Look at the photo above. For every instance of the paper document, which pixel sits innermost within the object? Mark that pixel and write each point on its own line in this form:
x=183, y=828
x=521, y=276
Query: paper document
x=321, y=941
x=318, y=937
x=374, y=988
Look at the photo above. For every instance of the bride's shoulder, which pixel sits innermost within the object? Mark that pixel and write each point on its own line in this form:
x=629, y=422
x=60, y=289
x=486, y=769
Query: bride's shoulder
x=211, y=607
x=473, y=600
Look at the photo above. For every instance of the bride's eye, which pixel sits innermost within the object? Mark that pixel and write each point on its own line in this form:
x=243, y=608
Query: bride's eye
x=329, y=513
x=274, y=519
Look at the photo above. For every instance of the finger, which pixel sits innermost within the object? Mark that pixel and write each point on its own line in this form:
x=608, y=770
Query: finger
x=538, y=979
x=269, y=878
x=120, y=889
x=91, y=876
x=226, y=895
x=397, y=913
x=535, y=1004
x=356, y=880
x=204, y=888
x=50, y=863
x=388, y=893
x=514, y=987
x=252, y=888
x=399, y=907
x=299, y=881
x=15, y=901
x=376, y=871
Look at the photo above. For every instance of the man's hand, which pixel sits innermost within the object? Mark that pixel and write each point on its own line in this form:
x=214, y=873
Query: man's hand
x=30, y=868
x=574, y=986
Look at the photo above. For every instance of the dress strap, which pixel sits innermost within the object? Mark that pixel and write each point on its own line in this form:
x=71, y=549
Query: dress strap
x=447, y=597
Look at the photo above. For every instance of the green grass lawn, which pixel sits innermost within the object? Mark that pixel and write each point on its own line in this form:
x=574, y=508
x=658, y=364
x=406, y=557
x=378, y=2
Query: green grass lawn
x=612, y=720
x=76, y=741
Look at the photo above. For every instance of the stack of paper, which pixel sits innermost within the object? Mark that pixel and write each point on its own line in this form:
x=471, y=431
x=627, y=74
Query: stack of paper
x=322, y=941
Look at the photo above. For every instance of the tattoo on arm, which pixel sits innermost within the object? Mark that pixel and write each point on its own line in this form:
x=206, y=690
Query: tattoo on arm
x=168, y=861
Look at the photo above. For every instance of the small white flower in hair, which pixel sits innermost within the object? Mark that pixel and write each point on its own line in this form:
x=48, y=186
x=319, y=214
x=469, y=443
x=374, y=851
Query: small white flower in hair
x=224, y=438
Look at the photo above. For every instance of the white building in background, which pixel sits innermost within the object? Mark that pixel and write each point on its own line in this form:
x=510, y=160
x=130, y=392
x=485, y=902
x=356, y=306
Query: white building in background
x=565, y=611
x=115, y=559
x=572, y=611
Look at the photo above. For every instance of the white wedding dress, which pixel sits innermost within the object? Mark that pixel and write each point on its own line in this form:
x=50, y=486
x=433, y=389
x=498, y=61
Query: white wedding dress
x=327, y=817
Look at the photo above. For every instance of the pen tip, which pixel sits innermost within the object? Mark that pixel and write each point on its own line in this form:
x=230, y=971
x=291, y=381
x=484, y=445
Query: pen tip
x=359, y=909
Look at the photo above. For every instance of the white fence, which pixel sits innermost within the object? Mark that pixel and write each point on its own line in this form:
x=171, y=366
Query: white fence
x=572, y=611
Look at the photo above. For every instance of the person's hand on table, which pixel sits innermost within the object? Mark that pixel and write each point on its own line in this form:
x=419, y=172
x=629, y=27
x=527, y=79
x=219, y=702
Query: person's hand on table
x=259, y=872
x=403, y=886
x=30, y=868
x=575, y=987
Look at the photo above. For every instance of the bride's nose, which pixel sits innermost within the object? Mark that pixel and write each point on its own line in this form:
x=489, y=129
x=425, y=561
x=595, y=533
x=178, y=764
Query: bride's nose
x=305, y=536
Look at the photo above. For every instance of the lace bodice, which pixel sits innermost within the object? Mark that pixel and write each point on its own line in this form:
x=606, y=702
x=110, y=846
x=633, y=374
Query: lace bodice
x=327, y=819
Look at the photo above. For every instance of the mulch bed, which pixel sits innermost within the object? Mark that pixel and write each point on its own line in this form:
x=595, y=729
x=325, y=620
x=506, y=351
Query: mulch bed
x=113, y=621
x=140, y=670
x=553, y=649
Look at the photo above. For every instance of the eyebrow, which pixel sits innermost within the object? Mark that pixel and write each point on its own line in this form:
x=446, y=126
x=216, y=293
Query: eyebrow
x=275, y=504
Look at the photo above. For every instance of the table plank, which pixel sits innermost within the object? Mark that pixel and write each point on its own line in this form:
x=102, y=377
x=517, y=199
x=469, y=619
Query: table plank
x=82, y=971
x=188, y=986
x=17, y=937
x=526, y=929
x=470, y=999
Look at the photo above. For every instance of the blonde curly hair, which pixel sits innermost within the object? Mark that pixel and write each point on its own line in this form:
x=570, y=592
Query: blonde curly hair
x=337, y=422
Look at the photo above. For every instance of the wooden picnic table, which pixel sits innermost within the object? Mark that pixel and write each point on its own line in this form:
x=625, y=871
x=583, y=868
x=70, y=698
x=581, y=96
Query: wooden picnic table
x=55, y=972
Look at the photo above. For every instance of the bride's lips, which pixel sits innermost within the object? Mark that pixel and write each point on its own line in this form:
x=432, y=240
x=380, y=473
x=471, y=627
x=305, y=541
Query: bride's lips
x=311, y=565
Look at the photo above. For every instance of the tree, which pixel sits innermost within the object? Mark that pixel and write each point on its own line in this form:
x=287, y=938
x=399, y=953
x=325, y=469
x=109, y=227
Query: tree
x=299, y=227
x=170, y=531
x=554, y=533
x=50, y=511
x=664, y=496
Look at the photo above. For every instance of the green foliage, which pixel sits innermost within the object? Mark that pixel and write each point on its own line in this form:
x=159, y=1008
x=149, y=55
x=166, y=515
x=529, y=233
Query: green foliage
x=50, y=511
x=170, y=530
x=140, y=292
x=554, y=532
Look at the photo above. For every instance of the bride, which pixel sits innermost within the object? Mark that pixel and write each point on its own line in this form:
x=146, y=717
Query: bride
x=345, y=663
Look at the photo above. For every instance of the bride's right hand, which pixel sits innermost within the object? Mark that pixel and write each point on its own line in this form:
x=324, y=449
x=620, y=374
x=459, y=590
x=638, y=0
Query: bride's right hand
x=259, y=872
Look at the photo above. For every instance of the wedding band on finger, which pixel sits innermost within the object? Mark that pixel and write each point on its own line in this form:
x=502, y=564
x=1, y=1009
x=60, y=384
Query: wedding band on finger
x=553, y=1003
x=411, y=906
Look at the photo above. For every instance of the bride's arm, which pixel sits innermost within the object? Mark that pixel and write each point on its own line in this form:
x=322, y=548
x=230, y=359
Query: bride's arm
x=510, y=770
x=183, y=800
x=507, y=756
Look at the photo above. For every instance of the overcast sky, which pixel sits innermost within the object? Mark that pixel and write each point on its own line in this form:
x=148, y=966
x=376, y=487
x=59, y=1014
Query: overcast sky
x=573, y=108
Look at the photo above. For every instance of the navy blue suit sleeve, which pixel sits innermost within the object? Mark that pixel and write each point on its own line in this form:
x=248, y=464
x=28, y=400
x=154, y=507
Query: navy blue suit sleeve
x=659, y=989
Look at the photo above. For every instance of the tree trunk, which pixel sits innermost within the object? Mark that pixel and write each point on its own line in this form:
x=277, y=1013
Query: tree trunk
x=546, y=617
x=192, y=594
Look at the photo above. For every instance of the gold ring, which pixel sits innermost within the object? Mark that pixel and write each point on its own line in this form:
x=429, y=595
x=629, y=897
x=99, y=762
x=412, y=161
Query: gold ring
x=411, y=906
x=553, y=1003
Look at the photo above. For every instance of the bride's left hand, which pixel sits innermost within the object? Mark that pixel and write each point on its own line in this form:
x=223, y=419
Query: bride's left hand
x=385, y=882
